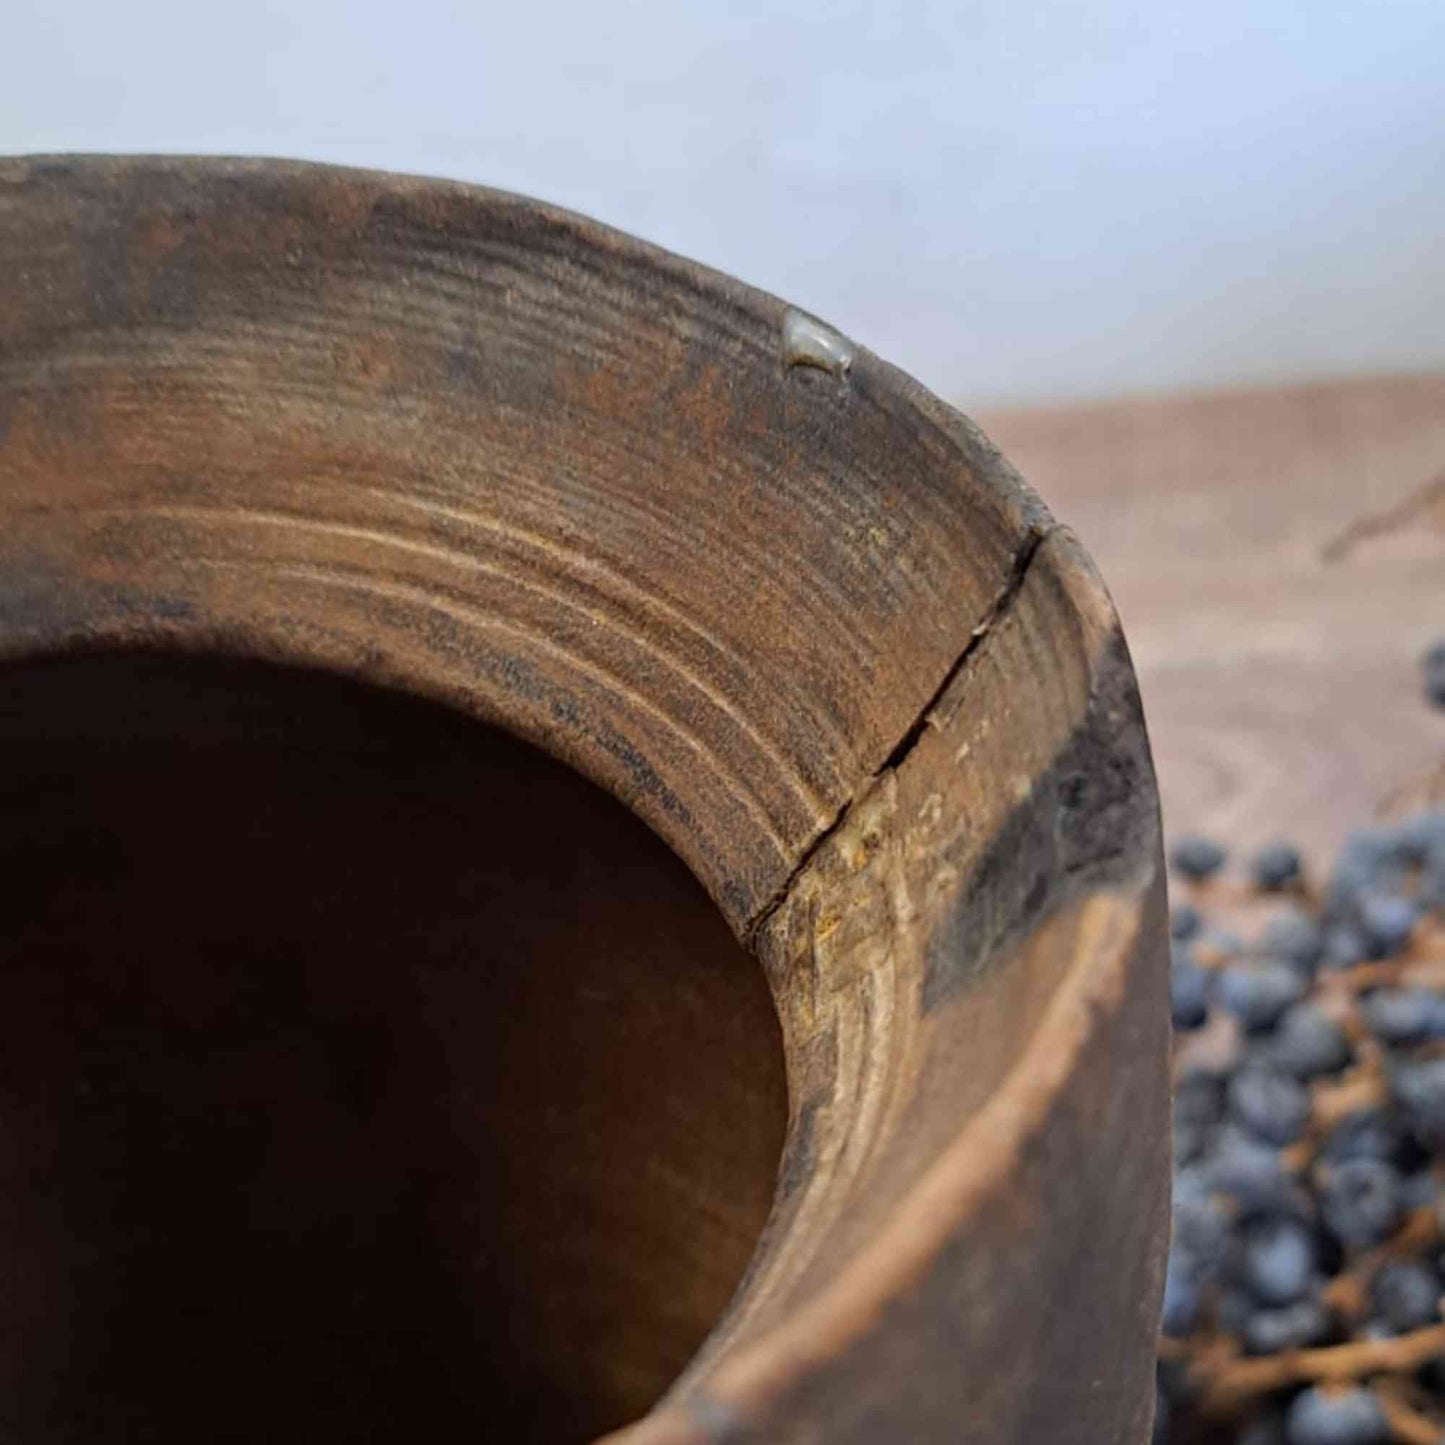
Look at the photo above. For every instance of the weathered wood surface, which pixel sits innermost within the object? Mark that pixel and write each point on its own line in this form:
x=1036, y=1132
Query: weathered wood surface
x=803, y=620
x=975, y=939
x=1278, y=559
x=500, y=455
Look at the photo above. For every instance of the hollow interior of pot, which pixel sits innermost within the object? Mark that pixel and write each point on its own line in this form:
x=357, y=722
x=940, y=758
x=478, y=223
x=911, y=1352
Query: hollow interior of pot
x=364, y=1073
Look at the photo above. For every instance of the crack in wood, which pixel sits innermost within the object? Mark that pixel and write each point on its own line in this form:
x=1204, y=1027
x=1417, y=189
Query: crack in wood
x=898, y=754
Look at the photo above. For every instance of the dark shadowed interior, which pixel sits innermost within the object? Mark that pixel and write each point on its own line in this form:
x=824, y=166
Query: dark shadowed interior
x=364, y=1073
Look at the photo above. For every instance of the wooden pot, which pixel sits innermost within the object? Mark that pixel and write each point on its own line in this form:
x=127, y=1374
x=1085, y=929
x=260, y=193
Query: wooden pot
x=580, y=851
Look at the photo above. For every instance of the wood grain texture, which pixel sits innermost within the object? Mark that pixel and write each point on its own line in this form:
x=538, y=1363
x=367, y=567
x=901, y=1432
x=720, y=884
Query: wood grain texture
x=502, y=450
x=1278, y=558
x=804, y=621
x=971, y=947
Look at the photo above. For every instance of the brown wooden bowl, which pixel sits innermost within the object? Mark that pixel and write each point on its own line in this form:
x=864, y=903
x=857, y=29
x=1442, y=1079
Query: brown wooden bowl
x=447, y=647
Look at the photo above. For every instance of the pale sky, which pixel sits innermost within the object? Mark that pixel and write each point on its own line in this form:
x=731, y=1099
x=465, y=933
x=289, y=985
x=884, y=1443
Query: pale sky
x=1011, y=200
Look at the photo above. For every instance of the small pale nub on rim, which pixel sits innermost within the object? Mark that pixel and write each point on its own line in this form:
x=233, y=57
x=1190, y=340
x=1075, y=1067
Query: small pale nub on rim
x=807, y=342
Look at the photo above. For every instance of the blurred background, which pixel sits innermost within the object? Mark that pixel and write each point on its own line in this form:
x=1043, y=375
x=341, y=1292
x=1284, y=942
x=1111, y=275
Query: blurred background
x=1014, y=201
x=1183, y=261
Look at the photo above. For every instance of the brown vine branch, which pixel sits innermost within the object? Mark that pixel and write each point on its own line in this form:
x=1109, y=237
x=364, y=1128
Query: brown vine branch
x=1408, y=1426
x=1243, y=1380
x=1348, y=1293
x=1392, y=519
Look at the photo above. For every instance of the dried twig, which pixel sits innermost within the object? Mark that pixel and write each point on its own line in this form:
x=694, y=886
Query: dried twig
x=1224, y=1391
x=1348, y=1293
x=1360, y=1089
x=1408, y=1425
x=1395, y=518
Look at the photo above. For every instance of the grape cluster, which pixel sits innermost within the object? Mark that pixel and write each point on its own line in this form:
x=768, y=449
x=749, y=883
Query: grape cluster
x=1303, y=1296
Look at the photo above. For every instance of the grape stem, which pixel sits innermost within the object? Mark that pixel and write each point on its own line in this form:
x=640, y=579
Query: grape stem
x=1225, y=1390
x=1407, y=1425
